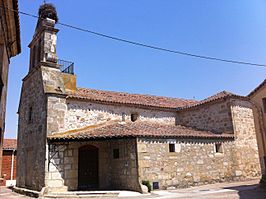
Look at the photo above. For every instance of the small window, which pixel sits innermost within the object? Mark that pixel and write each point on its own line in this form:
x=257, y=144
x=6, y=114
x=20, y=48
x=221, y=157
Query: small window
x=264, y=104
x=218, y=148
x=30, y=115
x=116, y=153
x=155, y=185
x=171, y=147
x=33, y=57
x=134, y=117
x=39, y=51
x=123, y=117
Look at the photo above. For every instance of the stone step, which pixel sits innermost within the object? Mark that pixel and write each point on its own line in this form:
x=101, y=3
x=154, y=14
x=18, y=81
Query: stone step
x=50, y=196
x=83, y=195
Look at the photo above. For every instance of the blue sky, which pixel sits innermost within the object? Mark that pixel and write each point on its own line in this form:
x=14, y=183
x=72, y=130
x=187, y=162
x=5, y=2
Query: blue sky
x=226, y=29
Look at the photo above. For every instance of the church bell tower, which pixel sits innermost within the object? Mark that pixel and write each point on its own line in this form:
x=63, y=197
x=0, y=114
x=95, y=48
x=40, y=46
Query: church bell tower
x=43, y=44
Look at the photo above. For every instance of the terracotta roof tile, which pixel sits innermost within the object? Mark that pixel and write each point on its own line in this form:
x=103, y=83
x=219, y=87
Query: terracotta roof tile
x=134, y=129
x=218, y=96
x=257, y=88
x=10, y=144
x=127, y=98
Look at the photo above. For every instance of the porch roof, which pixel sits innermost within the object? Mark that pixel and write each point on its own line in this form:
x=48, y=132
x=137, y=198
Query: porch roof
x=135, y=129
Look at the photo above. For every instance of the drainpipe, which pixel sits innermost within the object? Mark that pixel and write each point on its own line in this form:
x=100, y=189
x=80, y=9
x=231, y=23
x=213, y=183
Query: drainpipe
x=12, y=165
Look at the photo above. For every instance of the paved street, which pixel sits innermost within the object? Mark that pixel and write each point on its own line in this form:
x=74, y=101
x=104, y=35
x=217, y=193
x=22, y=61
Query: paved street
x=6, y=193
x=236, y=190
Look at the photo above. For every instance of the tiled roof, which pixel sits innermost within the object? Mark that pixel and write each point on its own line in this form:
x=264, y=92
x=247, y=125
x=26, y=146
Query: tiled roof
x=10, y=144
x=257, y=88
x=17, y=21
x=130, y=99
x=218, y=96
x=134, y=129
x=12, y=26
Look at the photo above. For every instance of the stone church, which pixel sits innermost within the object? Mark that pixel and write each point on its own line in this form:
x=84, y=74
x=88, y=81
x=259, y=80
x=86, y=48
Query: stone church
x=72, y=138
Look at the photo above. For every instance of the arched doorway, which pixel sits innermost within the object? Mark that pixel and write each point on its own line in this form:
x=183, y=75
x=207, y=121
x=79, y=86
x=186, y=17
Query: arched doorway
x=88, y=168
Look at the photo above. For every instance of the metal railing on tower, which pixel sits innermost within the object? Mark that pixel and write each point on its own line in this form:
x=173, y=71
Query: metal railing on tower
x=66, y=66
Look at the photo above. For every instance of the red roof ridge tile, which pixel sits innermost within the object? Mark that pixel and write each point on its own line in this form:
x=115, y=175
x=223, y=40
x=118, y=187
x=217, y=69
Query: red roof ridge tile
x=215, y=97
x=129, y=98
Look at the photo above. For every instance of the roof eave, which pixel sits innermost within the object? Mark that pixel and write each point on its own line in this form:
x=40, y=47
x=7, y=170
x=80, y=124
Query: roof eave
x=9, y=149
x=78, y=139
x=171, y=109
x=11, y=13
x=17, y=24
x=253, y=92
x=212, y=102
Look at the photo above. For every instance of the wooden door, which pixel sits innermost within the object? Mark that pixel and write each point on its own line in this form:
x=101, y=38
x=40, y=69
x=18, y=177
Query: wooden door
x=88, y=168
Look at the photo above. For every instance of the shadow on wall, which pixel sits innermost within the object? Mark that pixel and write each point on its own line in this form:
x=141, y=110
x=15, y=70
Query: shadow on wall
x=250, y=191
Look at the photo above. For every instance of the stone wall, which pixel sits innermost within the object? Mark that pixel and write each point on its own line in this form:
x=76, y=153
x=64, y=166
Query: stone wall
x=56, y=109
x=260, y=121
x=113, y=173
x=32, y=133
x=194, y=162
x=214, y=117
x=81, y=113
x=43, y=45
x=246, y=148
x=43, y=95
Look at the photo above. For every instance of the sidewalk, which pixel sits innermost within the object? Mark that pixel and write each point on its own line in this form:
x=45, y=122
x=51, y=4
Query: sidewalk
x=234, y=190
x=6, y=193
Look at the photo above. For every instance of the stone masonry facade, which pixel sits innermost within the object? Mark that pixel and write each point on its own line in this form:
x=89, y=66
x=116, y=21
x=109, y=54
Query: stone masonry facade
x=80, y=114
x=258, y=99
x=194, y=162
x=215, y=117
x=246, y=147
x=32, y=133
x=210, y=141
x=113, y=173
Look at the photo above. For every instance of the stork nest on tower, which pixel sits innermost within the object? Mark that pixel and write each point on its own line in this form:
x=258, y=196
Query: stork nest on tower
x=48, y=10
